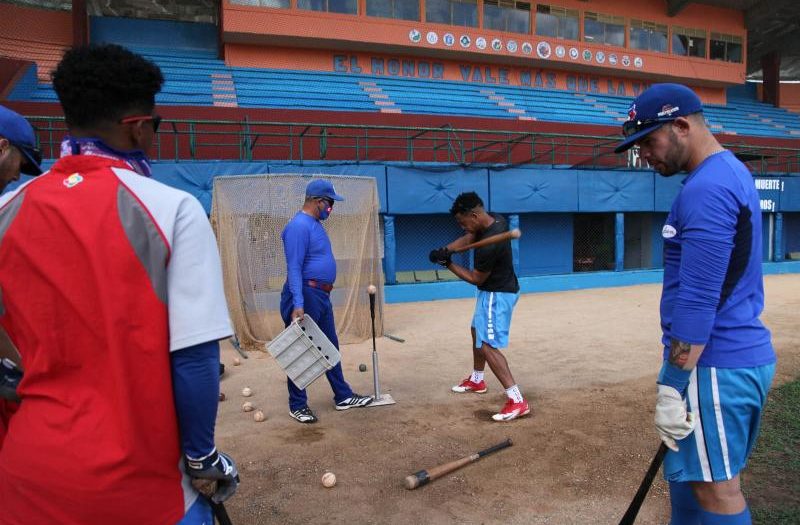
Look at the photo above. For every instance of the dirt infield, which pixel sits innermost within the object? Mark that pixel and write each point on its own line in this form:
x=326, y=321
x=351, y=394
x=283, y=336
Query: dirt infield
x=586, y=360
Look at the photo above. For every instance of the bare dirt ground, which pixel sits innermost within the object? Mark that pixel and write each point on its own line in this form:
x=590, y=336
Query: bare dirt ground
x=587, y=362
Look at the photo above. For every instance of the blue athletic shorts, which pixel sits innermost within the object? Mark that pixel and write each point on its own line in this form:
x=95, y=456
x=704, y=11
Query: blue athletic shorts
x=727, y=403
x=199, y=513
x=492, y=318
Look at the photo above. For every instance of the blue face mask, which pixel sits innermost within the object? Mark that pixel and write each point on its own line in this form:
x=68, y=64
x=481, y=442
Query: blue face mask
x=325, y=212
x=137, y=159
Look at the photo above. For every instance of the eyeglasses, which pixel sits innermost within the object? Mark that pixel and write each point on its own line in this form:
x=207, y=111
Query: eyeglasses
x=143, y=118
x=635, y=126
x=327, y=201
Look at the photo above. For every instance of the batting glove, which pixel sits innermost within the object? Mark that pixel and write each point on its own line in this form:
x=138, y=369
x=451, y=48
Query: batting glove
x=216, y=468
x=441, y=256
x=10, y=376
x=673, y=421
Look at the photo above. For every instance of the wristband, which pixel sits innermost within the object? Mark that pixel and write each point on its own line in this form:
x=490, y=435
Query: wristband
x=677, y=378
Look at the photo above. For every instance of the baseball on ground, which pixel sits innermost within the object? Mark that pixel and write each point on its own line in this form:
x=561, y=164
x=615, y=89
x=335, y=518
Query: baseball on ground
x=237, y=361
x=246, y=392
x=247, y=406
x=328, y=479
x=259, y=416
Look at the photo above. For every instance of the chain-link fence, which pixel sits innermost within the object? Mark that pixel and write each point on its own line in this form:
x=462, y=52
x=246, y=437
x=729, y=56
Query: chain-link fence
x=415, y=237
x=791, y=235
x=593, y=242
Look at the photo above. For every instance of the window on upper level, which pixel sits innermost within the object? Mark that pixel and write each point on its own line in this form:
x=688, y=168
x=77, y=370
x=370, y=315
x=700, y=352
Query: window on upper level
x=725, y=47
x=400, y=9
x=648, y=36
x=507, y=15
x=688, y=42
x=604, y=29
x=263, y=3
x=452, y=12
x=349, y=7
x=557, y=22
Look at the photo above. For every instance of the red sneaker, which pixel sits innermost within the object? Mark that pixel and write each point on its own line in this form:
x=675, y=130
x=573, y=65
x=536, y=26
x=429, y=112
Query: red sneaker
x=512, y=410
x=468, y=386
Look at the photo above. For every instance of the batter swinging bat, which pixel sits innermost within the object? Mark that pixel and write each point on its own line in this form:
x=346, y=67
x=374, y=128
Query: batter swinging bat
x=423, y=477
x=493, y=239
x=633, y=509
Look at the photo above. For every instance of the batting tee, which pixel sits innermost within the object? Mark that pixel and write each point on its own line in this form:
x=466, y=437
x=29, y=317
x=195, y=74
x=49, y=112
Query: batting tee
x=249, y=213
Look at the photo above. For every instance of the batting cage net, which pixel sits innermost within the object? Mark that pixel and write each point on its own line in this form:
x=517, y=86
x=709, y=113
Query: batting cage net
x=249, y=214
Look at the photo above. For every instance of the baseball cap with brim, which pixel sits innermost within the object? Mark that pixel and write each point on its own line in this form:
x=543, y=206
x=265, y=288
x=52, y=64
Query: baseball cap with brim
x=656, y=106
x=18, y=132
x=322, y=188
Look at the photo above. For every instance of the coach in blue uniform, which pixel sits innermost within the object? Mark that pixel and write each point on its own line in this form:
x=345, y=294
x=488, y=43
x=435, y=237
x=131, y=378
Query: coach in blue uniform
x=311, y=272
x=718, y=356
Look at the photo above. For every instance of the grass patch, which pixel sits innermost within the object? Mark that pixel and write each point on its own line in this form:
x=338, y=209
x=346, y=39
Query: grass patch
x=771, y=481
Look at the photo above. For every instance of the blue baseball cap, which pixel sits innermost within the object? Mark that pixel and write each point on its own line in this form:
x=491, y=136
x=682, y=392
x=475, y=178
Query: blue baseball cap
x=322, y=188
x=654, y=107
x=17, y=130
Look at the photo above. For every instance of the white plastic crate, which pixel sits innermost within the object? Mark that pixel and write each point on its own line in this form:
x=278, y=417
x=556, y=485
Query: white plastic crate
x=304, y=352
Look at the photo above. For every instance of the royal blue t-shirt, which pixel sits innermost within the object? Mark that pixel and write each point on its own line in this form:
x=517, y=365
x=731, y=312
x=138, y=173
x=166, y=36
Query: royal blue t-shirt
x=713, y=287
x=309, y=255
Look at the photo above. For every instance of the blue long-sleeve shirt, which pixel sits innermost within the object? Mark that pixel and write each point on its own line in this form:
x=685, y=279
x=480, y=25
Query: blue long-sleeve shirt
x=309, y=255
x=713, y=287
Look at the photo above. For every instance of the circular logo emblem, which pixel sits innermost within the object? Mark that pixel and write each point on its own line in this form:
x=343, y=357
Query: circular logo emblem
x=449, y=39
x=432, y=37
x=480, y=42
x=561, y=51
x=600, y=57
x=587, y=55
x=414, y=35
x=612, y=59
x=511, y=45
x=527, y=48
x=626, y=60
x=638, y=62
x=543, y=50
x=497, y=44
x=465, y=41
x=669, y=231
x=573, y=53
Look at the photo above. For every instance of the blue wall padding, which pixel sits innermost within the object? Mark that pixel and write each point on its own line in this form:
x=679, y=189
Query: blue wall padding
x=389, y=250
x=415, y=191
x=526, y=190
x=772, y=195
x=666, y=189
x=378, y=172
x=546, y=243
x=197, y=177
x=153, y=33
x=790, y=196
x=615, y=191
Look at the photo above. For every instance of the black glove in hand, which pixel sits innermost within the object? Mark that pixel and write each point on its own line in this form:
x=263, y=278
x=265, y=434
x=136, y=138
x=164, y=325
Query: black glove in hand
x=441, y=256
x=216, y=467
x=10, y=376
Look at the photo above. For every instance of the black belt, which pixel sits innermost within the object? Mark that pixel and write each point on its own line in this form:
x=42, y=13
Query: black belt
x=322, y=286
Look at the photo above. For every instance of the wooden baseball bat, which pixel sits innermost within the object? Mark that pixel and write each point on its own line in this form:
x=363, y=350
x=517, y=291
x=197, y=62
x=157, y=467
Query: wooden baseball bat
x=633, y=509
x=493, y=239
x=423, y=477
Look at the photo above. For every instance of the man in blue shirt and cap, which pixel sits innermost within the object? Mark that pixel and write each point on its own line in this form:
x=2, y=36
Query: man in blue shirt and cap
x=718, y=357
x=18, y=153
x=311, y=272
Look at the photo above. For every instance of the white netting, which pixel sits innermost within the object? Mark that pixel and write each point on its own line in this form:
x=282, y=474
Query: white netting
x=249, y=214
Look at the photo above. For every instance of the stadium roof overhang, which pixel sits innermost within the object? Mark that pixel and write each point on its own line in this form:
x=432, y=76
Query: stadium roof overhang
x=772, y=25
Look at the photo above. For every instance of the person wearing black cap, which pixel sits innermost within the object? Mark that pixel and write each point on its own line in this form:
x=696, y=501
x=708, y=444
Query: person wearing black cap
x=311, y=272
x=718, y=356
x=18, y=152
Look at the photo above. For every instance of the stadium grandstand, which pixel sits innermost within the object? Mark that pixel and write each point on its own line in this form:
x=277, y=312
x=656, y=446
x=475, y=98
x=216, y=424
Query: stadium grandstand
x=520, y=101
